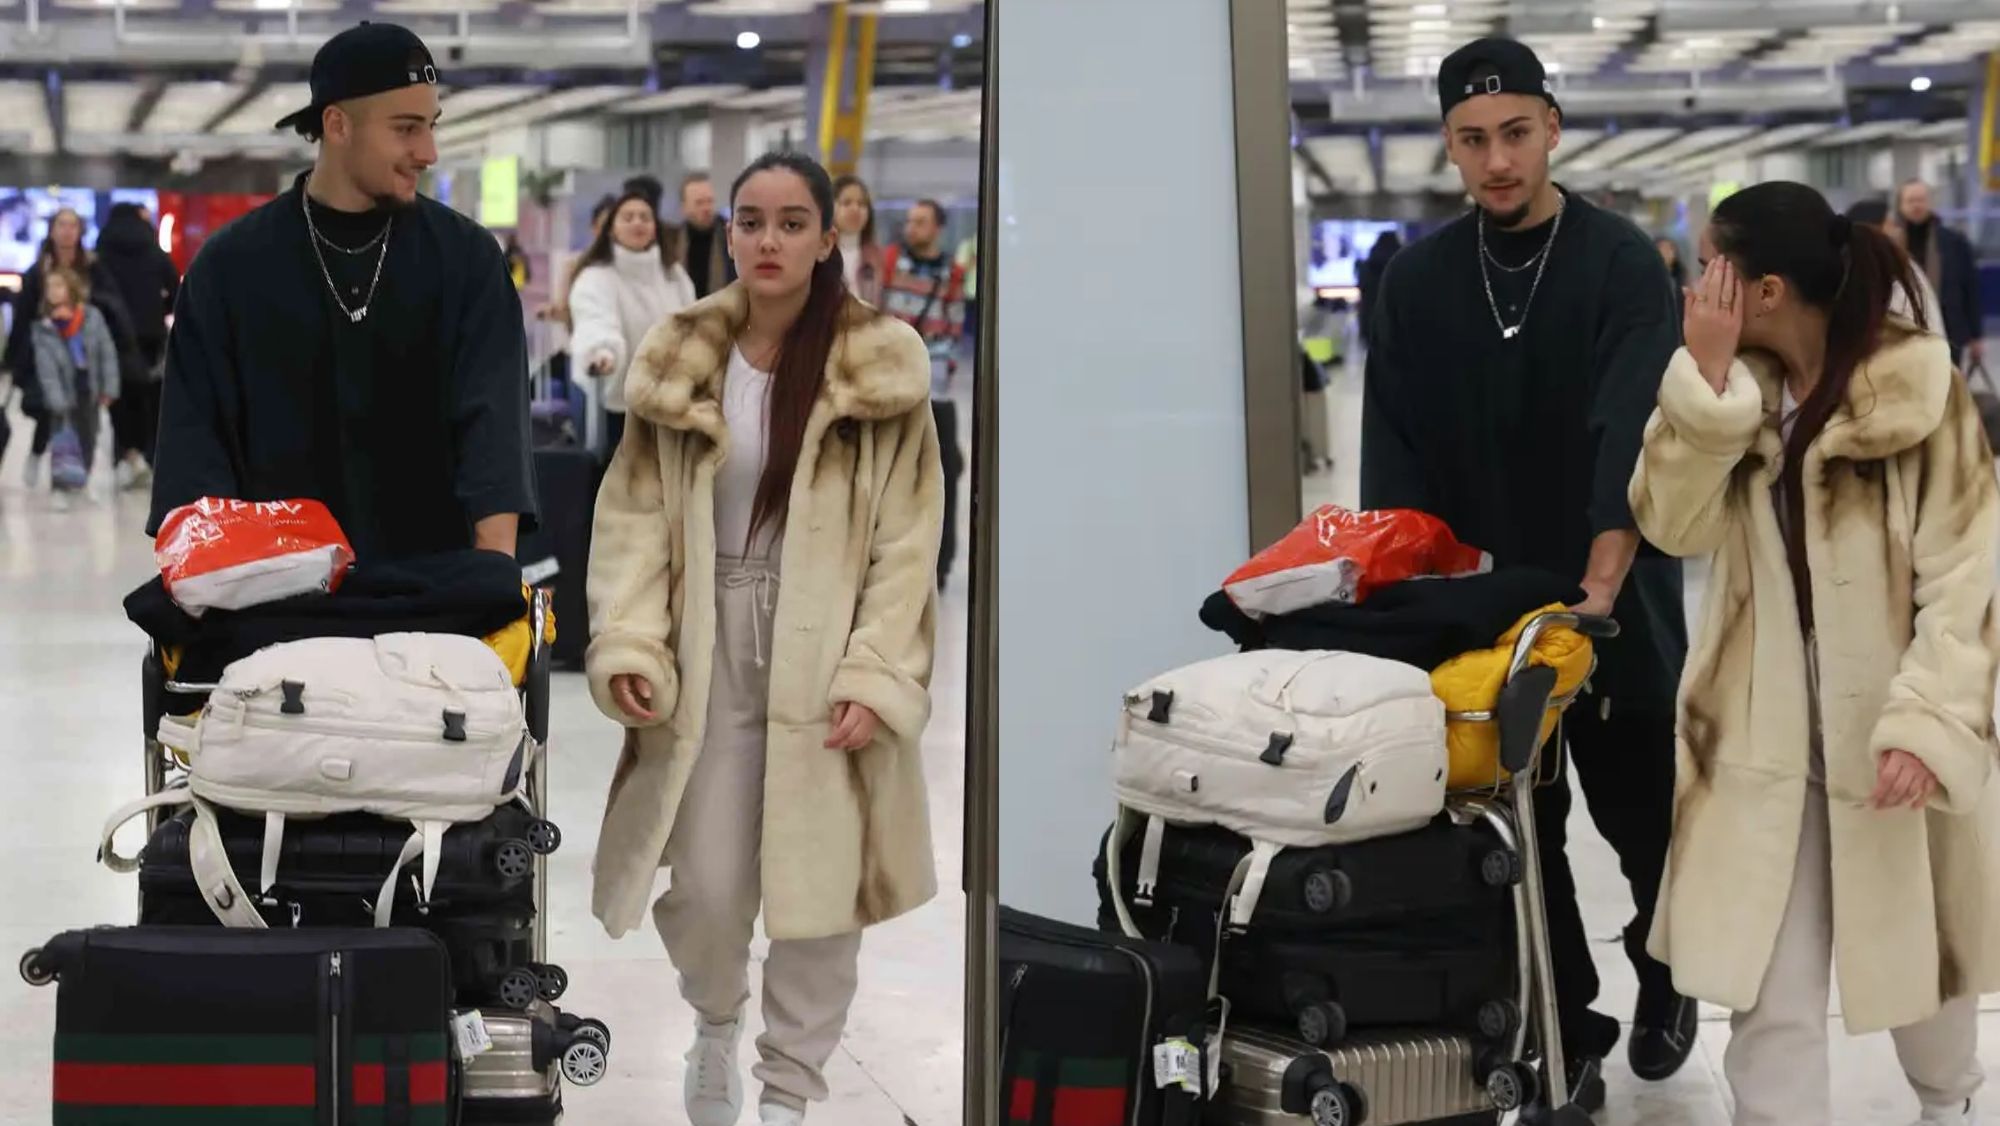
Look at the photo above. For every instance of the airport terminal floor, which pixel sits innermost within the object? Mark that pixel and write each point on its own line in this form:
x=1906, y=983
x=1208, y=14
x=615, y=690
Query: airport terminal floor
x=69, y=692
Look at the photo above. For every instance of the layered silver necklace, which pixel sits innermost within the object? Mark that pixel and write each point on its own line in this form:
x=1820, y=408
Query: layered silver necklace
x=354, y=316
x=1540, y=262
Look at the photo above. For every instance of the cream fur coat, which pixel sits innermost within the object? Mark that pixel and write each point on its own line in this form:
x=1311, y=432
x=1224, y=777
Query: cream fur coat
x=846, y=839
x=1901, y=515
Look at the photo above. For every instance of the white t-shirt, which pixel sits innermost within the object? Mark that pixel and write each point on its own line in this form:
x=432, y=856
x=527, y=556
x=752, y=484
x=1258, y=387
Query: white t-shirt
x=746, y=410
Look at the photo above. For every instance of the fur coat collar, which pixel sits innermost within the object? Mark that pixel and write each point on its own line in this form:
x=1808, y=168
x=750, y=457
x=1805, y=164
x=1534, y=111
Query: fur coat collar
x=1895, y=400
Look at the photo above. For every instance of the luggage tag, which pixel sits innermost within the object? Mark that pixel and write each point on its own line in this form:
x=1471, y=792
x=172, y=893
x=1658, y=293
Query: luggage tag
x=1177, y=1063
x=469, y=1029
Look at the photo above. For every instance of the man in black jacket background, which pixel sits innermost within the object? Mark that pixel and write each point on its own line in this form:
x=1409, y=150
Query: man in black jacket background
x=129, y=249
x=1946, y=258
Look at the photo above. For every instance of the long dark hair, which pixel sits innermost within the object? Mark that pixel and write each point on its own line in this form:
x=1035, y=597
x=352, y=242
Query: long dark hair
x=801, y=368
x=84, y=261
x=665, y=239
x=1847, y=270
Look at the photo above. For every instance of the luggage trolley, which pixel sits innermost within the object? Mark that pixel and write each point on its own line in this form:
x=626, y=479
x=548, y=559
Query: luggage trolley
x=518, y=988
x=1394, y=1078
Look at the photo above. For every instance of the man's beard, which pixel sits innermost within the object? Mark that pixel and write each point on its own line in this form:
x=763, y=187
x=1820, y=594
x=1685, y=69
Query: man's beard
x=1511, y=218
x=394, y=205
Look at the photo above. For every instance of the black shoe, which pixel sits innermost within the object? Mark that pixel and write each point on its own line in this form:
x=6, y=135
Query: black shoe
x=1587, y=1094
x=1663, y=1036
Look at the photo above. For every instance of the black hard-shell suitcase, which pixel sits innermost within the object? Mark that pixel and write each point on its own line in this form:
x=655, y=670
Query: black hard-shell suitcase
x=483, y=904
x=206, y=1024
x=1440, y=868
x=556, y=555
x=1081, y=1014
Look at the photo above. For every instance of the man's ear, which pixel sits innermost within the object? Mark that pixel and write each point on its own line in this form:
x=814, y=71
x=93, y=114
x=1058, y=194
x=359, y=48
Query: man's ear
x=1555, y=128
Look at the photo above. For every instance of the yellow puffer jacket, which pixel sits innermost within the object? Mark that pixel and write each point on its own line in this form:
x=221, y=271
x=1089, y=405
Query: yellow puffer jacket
x=1471, y=682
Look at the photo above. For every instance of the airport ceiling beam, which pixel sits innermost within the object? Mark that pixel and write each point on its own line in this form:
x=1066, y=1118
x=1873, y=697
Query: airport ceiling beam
x=1690, y=16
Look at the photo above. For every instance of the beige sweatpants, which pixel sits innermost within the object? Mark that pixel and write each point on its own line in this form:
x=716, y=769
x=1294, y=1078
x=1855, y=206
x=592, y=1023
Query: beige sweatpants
x=1777, y=1058
x=709, y=913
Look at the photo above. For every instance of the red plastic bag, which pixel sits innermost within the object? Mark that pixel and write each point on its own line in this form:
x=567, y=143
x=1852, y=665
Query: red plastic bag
x=221, y=554
x=1337, y=555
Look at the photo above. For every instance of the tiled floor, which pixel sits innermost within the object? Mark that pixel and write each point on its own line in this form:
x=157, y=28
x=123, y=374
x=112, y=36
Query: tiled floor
x=1868, y=1086
x=69, y=666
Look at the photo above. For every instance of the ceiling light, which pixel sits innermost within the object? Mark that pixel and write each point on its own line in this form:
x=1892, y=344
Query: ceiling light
x=273, y=5
x=961, y=41
x=749, y=41
x=1598, y=23
x=1920, y=83
x=1430, y=25
x=905, y=7
x=1429, y=10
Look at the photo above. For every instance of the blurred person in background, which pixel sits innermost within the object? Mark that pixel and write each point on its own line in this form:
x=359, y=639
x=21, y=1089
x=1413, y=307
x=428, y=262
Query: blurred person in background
x=1516, y=355
x=1875, y=213
x=557, y=309
x=1947, y=261
x=924, y=288
x=75, y=365
x=854, y=218
x=62, y=248
x=352, y=341
x=765, y=630
x=1837, y=806
x=631, y=281
x=1368, y=277
x=1670, y=253
x=129, y=249
x=704, y=251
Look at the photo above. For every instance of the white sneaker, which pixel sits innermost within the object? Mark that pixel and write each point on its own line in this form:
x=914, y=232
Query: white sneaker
x=1965, y=1115
x=61, y=500
x=777, y=1114
x=32, y=475
x=714, y=1089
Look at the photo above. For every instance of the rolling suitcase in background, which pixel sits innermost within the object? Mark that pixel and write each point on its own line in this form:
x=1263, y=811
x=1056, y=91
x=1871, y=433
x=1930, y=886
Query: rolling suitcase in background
x=211, y=1024
x=1086, y=1017
x=1390, y=1081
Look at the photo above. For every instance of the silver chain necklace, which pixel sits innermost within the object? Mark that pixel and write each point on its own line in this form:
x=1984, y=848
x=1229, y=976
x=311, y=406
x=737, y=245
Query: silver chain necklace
x=354, y=316
x=370, y=244
x=1540, y=261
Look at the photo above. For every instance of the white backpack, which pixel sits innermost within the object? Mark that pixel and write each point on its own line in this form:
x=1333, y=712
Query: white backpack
x=418, y=727
x=1290, y=749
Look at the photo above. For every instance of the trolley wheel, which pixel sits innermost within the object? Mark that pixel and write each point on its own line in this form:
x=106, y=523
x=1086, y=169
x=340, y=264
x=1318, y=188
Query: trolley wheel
x=34, y=971
x=1499, y=1019
x=514, y=859
x=1500, y=868
x=1328, y=890
x=519, y=990
x=1322, y=1023
x=1338, y=1104
x=543, y=836
x=594, y=1031
x=585, y=1062
x=551, y=982
x=1512, y=1086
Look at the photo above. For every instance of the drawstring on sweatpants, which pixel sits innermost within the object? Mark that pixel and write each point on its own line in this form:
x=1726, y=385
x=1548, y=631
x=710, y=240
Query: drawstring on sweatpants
x=765, y=583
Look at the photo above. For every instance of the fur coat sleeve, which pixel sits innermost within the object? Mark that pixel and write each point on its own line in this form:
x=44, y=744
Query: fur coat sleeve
x=1941, y=699
x=1680, y=490
x=887, y=667
x=630, y=605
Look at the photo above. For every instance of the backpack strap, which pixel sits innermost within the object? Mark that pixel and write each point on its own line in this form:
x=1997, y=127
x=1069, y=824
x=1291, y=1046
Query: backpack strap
x=274, y=848
x=176, y=734
x=1254, y=870
x=426, y=842
x=107, y=849
x=1114, y=845
x=214, y=877
x=1149, y=859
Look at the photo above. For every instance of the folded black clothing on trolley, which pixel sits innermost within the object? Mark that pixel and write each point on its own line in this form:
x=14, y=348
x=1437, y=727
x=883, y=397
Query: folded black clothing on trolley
x=472, y=593
x=1421, y=622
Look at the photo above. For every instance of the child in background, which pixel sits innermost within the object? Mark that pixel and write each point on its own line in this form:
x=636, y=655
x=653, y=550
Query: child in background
x=76, y=363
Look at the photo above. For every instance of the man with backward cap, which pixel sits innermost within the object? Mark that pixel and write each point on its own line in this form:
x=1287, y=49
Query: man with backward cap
x=1514, y=357
x=352, y=341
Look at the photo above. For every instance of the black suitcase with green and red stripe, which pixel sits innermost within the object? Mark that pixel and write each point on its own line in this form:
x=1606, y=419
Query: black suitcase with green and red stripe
x=1082, y=1014
x=208, y=1026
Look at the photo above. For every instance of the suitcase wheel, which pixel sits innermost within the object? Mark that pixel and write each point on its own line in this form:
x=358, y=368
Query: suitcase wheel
x=34, y=971
x=1310, y=1089
x=1322, y=1023
x=1499, y=1019
x=543, y=836
x=551, y=982
x=1512, y=1086
x=594, y=1031
x=1500, y=868
x=1328, y=890
x=1338, y=1105
x=519, y=990
x=584, y=1063
x=514, y=860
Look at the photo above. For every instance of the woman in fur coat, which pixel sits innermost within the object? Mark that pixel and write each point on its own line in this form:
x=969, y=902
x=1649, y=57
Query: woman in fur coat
x=1836, y=743
x=763, y=605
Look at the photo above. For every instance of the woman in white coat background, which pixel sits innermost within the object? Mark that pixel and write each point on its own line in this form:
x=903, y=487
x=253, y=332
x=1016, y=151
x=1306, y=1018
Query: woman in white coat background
x=629, y=280
x=1835, y=797
x=763, y=607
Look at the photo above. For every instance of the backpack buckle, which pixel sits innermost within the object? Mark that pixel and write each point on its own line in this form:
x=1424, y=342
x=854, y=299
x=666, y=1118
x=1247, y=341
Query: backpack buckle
x=454, y=727
x=295, y=698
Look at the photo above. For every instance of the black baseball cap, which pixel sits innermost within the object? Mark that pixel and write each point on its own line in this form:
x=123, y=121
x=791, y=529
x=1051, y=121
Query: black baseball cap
x=373, y=58
x=1491, y=66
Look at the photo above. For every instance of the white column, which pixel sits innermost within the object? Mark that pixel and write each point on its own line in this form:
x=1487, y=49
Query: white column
x=1122, y=480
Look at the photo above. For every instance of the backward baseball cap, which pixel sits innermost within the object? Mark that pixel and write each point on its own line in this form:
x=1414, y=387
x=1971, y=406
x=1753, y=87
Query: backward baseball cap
x=372, y=58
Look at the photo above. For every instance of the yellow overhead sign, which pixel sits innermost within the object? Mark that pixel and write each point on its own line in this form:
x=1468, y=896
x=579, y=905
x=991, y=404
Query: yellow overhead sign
x=500, y=192
x=1721, y=190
